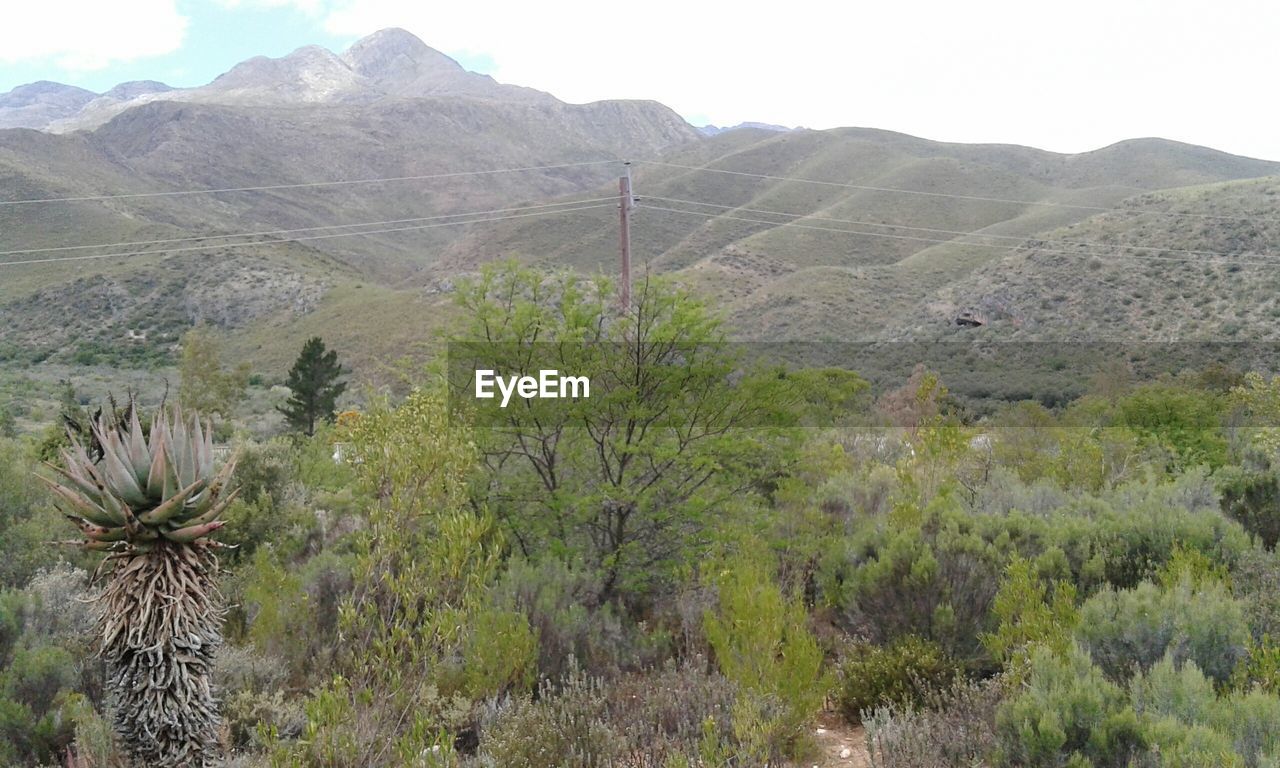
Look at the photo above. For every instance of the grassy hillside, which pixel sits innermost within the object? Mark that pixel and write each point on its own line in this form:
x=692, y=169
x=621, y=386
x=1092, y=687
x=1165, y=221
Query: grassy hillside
x=1151, y=276
x=811, y=283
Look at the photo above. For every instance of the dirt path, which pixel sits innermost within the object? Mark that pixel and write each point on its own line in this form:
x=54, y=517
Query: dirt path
x=840, y=745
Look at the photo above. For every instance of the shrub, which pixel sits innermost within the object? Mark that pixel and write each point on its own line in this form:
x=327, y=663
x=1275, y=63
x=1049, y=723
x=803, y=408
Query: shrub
x=762, y=644
x=558, y=601
x=1192, y=726
x=954, y=728
x=35, y=677
x=934, y=579
x=1129, y=629
x=1253, y=500
x=653, y=719
x=1255, y=582
x=563, y=729
x=500, y=654
x=904, y=675
x=1068, y=714
x=1029, y=616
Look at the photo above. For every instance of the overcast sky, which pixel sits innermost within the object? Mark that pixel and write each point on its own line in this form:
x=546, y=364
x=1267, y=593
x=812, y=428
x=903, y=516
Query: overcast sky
x=1065, y=76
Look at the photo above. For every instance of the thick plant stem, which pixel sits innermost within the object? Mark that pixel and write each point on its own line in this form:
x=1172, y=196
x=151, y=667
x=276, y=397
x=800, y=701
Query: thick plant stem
x=161, y=623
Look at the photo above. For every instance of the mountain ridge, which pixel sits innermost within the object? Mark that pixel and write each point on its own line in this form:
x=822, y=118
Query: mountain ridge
x=388, y=64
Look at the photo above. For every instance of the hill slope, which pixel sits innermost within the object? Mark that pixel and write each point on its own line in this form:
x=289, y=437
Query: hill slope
x=863, y=257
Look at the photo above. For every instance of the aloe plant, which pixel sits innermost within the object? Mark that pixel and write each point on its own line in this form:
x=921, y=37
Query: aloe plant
x=150, y=499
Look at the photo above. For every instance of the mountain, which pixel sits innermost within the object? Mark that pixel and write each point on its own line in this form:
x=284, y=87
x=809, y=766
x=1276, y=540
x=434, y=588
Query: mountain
x=388, y=64
x=396, y=63
x=715, y=130
x=38, y=104
x=1196, y=263
x=868, y=262
x=842, y=234
x=389, y=107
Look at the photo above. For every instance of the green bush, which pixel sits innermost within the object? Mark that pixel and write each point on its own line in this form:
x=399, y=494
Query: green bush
x=1185, y=421
x=1130, y=630
x=935, y=579
x=762, y=643
x=572, y=629
x=501, y=654
x=1253, y=500
x=1068, y=714
x=1193, y=726
x=36, y=676
x=902, y=674
x=1029, y=616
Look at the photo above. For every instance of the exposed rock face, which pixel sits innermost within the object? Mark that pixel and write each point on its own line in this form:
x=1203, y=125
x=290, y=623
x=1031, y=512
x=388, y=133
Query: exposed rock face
x=387, y=65
x=398, y=64
x=136, y=88
x=309, y=74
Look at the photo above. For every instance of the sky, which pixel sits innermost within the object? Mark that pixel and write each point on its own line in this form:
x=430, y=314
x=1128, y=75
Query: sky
x=1064, y=76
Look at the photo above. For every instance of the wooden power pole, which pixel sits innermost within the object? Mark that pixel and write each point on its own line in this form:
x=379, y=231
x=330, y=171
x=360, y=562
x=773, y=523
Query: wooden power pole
x=626, y=201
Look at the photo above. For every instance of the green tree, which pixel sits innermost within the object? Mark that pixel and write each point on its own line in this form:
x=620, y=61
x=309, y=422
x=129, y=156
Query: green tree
x=207, y=386
x=625, y=481
x=315, y=381
x=422, y=639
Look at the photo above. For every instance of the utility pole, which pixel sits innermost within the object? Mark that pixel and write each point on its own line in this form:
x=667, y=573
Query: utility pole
x=626, y=201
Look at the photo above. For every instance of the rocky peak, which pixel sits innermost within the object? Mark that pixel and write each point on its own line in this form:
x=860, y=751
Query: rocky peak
x=397, y=55
x=311, y=73
x=135, y=88
x=46, y=92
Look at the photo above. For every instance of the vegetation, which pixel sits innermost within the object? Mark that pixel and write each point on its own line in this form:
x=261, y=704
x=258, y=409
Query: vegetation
x=683, y=569
x=151, y=499
x=207, y=385
x=314, y=387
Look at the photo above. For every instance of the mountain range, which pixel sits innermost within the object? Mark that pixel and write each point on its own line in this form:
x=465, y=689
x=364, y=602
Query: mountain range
x=848, y=233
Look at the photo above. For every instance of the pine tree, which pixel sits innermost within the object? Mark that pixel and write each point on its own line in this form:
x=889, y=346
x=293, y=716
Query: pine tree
x=314, y=381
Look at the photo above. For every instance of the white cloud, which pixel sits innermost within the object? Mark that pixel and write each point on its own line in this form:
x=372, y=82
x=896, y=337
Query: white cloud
x=81, y=35
x=309, y=7
x=1067, y=75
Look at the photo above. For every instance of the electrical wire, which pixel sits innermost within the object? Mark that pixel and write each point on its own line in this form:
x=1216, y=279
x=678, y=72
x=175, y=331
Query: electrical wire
x=265, y=233
x=301, y=185
x=959, y=233
x=798, y=225
x=1045, y=203
x=304, y=238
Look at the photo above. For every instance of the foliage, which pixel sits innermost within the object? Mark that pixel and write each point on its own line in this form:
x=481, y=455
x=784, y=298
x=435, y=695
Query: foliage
x=624, y=482
x=1186, y=421
x=1067, y=714
x=954, y=728
x=1252, y=498
x=906, y=675
x=1032, y=614
x=656, y=719
x=207, y=386
x=315, y=385
x=422, y=573
x=572, y=629
x=762, y=644
x=1130, y=630
x=25, y=518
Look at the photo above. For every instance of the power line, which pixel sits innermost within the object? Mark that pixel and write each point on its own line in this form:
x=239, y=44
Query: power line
x=798, y=225
x=1045, y=203
x=960, y=233
x=302, y=185
x=305, y=238
x=196, y=238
